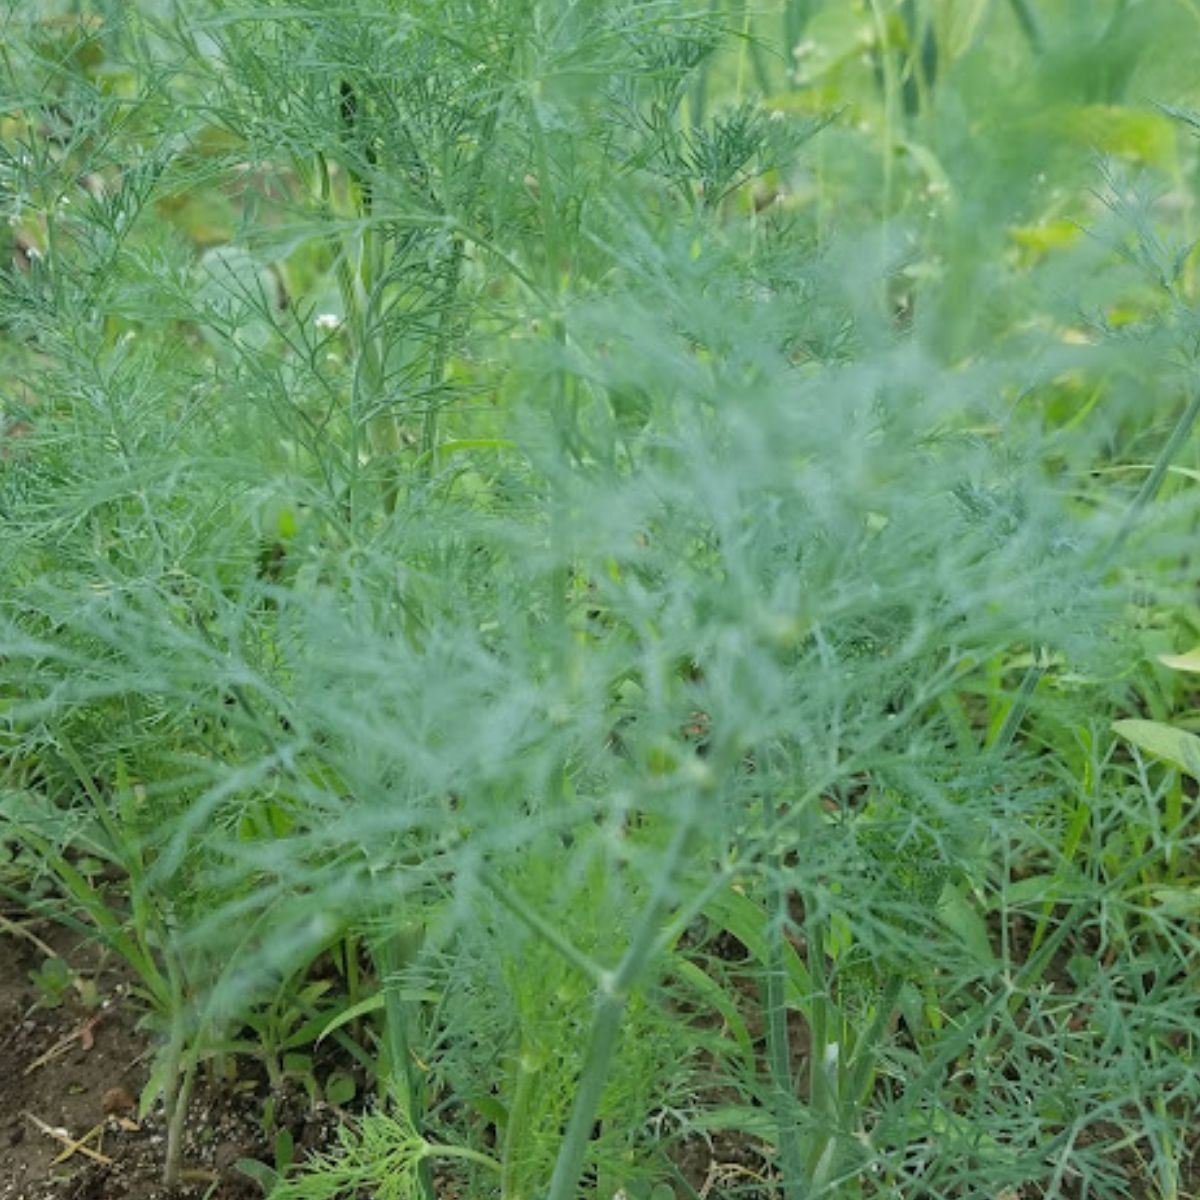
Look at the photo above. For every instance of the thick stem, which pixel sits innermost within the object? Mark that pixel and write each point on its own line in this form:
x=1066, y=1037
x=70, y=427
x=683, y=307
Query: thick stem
x=822, y=1054
x=1153, y=482
x=1028, y=21
x=699, y=99
x=779, y=1055
x=606, y=1025
x=795, y=19
x=602, y=1045
x=176, y=1077
x=528, y=1071
x=179, y=1100
x=891, y=100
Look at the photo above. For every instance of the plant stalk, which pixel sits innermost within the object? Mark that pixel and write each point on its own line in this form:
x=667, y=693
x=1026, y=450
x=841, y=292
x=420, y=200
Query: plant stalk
x=778, y=1042
x=606, y=1024
x=1031, y=27
x=514, y=1129
x=176, y=1117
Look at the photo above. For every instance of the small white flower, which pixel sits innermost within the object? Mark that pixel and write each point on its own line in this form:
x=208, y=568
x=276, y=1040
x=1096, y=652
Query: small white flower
x=328, y=321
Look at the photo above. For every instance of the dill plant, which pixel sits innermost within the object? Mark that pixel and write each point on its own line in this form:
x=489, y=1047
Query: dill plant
x=586, y=481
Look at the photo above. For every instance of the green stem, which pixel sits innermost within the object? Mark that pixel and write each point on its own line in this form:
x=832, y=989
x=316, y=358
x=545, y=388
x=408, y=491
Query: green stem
x=354, y=272
x=176, y=1117
x=360, y=288
x=1030, y=25
x=778, y=1042
x=177, y=1086
x=891, y=100
x=606, y=1025
x=823, y=1054
x=397, y=1085
x=1153, y=481
x=795, y=18
x=602, y=1045
x=546, y=206
x=528, y=1071
x=751, y=48
x=699, y=98
x=353, y=975
x=465, y=1153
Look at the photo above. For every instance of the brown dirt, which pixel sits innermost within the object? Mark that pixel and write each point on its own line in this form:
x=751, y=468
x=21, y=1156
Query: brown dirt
x=76, y=1069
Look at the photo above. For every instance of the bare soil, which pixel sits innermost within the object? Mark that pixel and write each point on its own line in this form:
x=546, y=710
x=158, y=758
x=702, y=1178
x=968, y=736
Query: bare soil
x=70, y=1076
x=73, y=1066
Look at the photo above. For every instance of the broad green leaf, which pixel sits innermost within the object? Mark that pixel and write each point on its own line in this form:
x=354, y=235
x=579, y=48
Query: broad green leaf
x=1182, y=902
x=285, y=1149
x=266, y=1177
x=1189, y=662
x=237, y=293
x=340, y=1088
x=960, y=916
x=490, y=1109
x=1034, y=889
x=298, y=1064
x=758, y=1122
x=362, y=1008
x=1139, y=135
x=1050, y=235
x=930, y=166
x=1175, y=746
x=155, y=1085
x=711, y=993
x=956, y=23
x=747, y=921
x=373, y=1004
